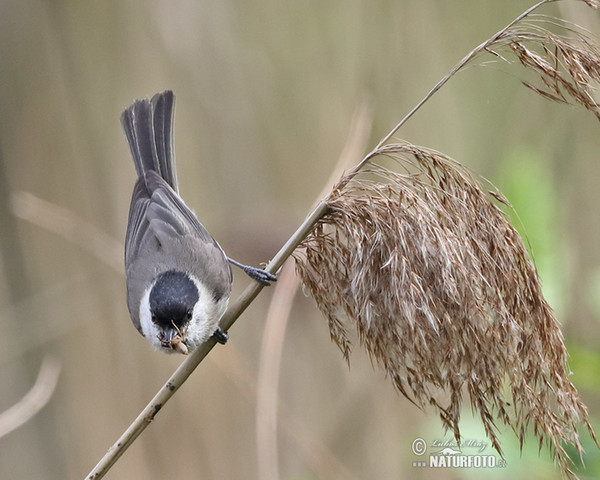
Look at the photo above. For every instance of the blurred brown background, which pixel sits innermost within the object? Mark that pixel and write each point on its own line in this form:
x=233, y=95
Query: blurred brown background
x=265, y=96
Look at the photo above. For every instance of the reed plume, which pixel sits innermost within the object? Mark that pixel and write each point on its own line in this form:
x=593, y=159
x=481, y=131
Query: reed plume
x=442, y=294
x=422, y=265
x=567, y=65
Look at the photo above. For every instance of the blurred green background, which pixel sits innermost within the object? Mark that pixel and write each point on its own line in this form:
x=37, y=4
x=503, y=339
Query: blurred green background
x=266, y=92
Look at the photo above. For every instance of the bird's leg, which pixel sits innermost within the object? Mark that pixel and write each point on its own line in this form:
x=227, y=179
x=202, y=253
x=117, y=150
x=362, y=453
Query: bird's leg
x=257, y=274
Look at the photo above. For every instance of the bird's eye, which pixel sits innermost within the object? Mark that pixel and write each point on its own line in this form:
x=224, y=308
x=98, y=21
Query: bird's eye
x=188, y=315
x=153, y=317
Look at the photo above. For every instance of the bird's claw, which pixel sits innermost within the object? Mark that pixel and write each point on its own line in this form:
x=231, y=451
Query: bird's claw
x=258, y=274
x=261, y=276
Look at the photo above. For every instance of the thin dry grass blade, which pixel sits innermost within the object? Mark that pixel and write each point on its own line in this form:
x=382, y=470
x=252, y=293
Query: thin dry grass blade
x=440, y=290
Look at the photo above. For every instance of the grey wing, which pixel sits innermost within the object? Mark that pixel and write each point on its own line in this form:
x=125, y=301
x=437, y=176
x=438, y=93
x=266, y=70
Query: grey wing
x=157, y=214
x=137, y=225
x=168, y=207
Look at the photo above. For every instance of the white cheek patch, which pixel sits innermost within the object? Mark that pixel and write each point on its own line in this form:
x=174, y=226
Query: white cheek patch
x=205, y=316
x=149, y=329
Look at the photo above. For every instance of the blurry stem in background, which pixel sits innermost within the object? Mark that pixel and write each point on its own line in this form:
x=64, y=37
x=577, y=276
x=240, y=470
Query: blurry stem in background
x=243, y=301
x=280, y=308
x=66, y=224
x=34, y=400
x=268, y=373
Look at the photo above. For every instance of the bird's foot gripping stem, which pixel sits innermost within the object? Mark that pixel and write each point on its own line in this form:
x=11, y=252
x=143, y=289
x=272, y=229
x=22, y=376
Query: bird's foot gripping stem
x=258, y=274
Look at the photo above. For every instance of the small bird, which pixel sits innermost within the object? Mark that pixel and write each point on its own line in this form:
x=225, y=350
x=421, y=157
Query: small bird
x=178, y=277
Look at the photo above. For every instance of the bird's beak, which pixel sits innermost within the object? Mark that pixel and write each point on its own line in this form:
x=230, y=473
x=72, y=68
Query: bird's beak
x=167, y=339
x=171, y=333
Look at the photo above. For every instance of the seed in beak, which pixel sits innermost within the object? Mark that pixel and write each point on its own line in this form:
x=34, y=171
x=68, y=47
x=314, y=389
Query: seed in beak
x=178, y=345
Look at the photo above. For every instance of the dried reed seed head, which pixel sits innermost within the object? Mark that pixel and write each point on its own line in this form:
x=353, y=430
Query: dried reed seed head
x=568, y=66
x=442, y=294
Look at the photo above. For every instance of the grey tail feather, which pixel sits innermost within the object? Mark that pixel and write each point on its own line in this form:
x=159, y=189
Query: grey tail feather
x=148, y=126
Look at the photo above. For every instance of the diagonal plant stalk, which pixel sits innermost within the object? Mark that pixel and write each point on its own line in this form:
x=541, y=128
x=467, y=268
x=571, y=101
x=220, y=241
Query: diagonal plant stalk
x=184, y=370
x=182, y=373
x=466, y=59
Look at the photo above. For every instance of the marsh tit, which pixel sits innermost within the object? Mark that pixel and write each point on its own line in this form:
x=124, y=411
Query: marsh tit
x=178, y=277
